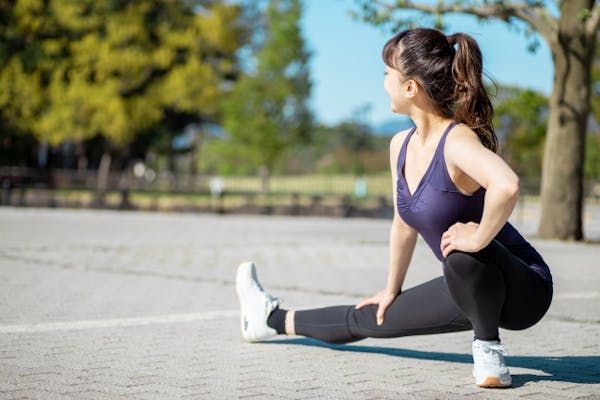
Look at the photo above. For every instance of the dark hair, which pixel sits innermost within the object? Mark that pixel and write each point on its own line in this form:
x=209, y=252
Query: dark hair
x=452, y=78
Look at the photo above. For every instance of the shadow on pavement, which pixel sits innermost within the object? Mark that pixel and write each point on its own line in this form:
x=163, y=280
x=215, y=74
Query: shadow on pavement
x=574, y=369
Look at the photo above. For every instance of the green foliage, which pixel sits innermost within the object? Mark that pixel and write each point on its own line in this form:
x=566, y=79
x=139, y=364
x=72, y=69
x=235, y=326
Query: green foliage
x=73, y=69
x=595, y=92
x=592, y=153
x=347, y=148
x=520, y=121
x=592, y=157
x=267, y=112
x=221, y=158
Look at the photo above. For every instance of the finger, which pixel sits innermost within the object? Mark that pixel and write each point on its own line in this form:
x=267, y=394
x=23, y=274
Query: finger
x=366, y=302
x=447, y=250
x=361, y=304
x=381, y=313
x=445, y=243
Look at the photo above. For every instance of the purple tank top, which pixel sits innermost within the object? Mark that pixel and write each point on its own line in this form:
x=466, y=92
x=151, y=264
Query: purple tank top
x=436, y=204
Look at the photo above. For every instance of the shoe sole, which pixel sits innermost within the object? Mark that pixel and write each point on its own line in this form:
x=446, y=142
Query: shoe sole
x=493, y=382
x=246, y=271
x=243, y=269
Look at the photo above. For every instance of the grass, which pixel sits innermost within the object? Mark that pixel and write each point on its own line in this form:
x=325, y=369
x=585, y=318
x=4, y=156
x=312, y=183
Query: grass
x=239, y=191
x=323, y=184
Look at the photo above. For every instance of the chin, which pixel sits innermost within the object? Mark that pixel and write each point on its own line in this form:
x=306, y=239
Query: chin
x=396, y=108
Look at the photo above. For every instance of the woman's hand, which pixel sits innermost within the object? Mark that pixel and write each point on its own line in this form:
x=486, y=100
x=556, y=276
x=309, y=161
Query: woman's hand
x=460, y=237
x=383, y=299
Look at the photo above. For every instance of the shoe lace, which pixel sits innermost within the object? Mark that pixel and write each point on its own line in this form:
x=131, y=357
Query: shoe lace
x=271, y=302
x=493, y=354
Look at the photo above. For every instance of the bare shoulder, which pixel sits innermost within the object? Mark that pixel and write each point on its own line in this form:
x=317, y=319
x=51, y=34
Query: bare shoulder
x=461, y=139
x=462, y=132
x=397, y=140
x=465, y=151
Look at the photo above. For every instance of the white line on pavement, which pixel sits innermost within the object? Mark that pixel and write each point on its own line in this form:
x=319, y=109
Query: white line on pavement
x=579, y=295
x=173, y=318
x=109, y=323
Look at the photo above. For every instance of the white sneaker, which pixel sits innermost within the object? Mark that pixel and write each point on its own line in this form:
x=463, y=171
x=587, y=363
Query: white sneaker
x=489, y=368
x=256, y=305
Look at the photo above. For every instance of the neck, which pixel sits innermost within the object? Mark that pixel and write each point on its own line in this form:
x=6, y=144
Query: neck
x=430, y=126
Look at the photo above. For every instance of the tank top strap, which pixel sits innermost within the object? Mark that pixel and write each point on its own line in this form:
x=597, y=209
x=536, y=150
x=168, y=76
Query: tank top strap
x=439, y=152
x=402, y=155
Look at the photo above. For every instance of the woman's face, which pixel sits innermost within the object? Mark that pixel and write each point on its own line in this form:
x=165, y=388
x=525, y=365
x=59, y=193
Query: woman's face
x=394, y=83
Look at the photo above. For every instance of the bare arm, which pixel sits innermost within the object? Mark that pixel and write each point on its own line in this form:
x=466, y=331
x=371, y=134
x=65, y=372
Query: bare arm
x=465, y=152
x=402, y=245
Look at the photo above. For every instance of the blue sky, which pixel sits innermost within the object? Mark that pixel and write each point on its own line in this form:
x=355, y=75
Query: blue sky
x=347, y=70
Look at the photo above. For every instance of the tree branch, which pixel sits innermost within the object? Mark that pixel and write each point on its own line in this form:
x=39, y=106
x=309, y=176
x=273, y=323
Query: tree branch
x=535, y=16
x=593, y=23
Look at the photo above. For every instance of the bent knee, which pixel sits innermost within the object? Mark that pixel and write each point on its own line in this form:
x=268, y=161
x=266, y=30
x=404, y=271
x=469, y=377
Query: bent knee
x=459, y=262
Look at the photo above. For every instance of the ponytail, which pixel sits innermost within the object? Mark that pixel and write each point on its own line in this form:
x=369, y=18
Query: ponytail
x=472, y=105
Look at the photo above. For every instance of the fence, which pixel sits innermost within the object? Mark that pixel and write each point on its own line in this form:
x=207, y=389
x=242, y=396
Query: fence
x=306, y=194
x=340, y=195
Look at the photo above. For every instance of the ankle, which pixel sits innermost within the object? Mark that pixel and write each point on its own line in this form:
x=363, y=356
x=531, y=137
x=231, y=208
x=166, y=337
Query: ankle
x=276, y=320
x=290, y=326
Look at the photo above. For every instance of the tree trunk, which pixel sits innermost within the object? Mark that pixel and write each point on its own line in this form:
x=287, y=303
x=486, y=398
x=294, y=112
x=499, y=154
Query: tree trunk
x=265, y=176
x=80, y=154
x=102, y=182
x=562, y=174
x=194, y=156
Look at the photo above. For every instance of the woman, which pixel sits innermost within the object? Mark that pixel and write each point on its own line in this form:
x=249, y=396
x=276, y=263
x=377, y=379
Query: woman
x=450, y=187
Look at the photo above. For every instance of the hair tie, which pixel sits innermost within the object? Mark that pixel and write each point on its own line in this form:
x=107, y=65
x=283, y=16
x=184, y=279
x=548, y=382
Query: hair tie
x=452, y=39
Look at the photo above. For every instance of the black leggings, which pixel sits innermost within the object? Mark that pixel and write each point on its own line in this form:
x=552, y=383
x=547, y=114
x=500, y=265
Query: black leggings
x=480, y=291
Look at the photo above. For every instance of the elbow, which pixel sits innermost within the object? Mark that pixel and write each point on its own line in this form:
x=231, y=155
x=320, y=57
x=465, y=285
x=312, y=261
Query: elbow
x=506, y=188
x=510, y=188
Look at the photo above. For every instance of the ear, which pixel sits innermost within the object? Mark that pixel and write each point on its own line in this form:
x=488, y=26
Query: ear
x=412, y=88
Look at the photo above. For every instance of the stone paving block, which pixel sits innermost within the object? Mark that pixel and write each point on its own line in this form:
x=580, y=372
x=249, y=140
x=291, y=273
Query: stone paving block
x=91, y=394
x=107, y=267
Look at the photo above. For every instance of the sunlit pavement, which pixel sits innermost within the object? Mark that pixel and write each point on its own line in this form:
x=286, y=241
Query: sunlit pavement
x=110, y=305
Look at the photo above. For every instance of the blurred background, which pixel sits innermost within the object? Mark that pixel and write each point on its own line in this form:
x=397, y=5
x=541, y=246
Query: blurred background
x=273, y=106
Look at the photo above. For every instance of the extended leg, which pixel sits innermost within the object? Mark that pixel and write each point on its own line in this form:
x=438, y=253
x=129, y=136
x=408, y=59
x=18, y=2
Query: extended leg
x=424, y=309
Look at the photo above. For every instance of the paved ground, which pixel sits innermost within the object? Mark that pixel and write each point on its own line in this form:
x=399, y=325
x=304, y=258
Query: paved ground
x=108, y=305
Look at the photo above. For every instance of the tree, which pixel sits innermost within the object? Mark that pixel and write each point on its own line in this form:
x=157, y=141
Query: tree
x=595, y=84
x=570, y=33
x=268, y=111
x=520, y=120
x=77, y=69
x=351, y=146
x=592, y=159
x=592, y=155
